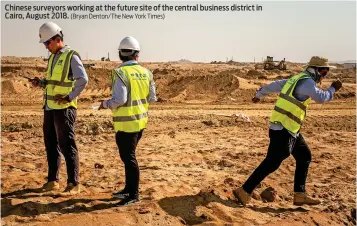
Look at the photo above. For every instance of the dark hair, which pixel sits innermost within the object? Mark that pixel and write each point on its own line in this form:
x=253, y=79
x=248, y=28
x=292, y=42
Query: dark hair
x=60, y=36
x=127, y=54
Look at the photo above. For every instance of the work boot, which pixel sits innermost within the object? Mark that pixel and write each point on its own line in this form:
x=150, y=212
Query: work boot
x=241, y=195
x=121, y=194
x=301, y=198
x=72, y=189
x=50, y=186
x=128, y=201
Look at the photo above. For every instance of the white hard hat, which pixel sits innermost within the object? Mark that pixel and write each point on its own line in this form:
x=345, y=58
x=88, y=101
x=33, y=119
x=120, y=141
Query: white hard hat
x=129, y=43
x=48, y=30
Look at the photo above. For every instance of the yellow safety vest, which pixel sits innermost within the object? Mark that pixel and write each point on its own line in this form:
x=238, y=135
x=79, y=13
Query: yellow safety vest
x=289, y=111
x=58, y=82
x=133, y=115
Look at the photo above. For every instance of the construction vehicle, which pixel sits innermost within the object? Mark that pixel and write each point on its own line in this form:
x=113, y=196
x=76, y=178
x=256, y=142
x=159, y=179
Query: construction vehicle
x=107, y=59
x=269, y=64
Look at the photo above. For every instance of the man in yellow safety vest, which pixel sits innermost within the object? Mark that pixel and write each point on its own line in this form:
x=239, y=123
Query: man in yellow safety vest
x=285, y=123
x=133, y=88
x=65, y=80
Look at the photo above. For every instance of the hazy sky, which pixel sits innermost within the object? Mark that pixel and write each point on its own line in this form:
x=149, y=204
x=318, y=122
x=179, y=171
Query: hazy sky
x=294, y=30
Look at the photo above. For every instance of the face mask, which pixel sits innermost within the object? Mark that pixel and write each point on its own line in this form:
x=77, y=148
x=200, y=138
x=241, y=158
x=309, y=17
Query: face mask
x=313, y=73
x=318, y=76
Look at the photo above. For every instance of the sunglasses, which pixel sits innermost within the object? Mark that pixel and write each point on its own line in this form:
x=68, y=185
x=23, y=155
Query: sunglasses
x=46, y=43
x=325, y=71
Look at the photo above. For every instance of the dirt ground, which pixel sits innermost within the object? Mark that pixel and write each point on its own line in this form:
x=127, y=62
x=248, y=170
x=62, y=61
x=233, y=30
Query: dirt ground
x=191, y=157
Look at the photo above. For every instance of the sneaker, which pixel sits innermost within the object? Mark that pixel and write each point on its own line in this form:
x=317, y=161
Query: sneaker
x=301, y=198
x=121, y=194
x=129, y=200
x=241, y=195
x=72, y=189
x=50, y=186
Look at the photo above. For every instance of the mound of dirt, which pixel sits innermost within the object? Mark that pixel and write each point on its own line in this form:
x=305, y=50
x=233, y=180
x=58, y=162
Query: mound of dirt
x=254, y=73
x=9, y=87
x=346, y=75
x=175, y=82
x=208, y=87
x=98, y=78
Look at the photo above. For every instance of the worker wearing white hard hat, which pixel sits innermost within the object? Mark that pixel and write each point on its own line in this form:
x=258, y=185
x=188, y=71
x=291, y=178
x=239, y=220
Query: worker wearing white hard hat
x=129, y=43
x=48, y=31
x=65, y=80
x=129, y=48
x=133, y=90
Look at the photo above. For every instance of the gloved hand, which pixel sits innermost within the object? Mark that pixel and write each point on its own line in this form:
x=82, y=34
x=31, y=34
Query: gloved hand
x=337, y=84
x=35, y=82
x=255, y=100
x=62, y=99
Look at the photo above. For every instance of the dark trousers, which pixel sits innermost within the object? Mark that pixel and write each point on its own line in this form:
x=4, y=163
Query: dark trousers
x=282, y=144
x=58, y=130
x=127, y=143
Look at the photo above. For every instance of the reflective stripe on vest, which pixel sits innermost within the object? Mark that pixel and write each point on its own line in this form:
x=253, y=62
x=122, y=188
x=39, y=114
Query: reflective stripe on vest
x=58, y=82
x=133, y=115
x=129, y=118
x=289, y=111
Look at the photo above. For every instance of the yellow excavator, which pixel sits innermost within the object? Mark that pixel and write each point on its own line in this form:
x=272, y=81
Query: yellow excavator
x=269, y=64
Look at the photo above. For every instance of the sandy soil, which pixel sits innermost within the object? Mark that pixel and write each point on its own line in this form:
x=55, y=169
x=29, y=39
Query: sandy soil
x=191, y=157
